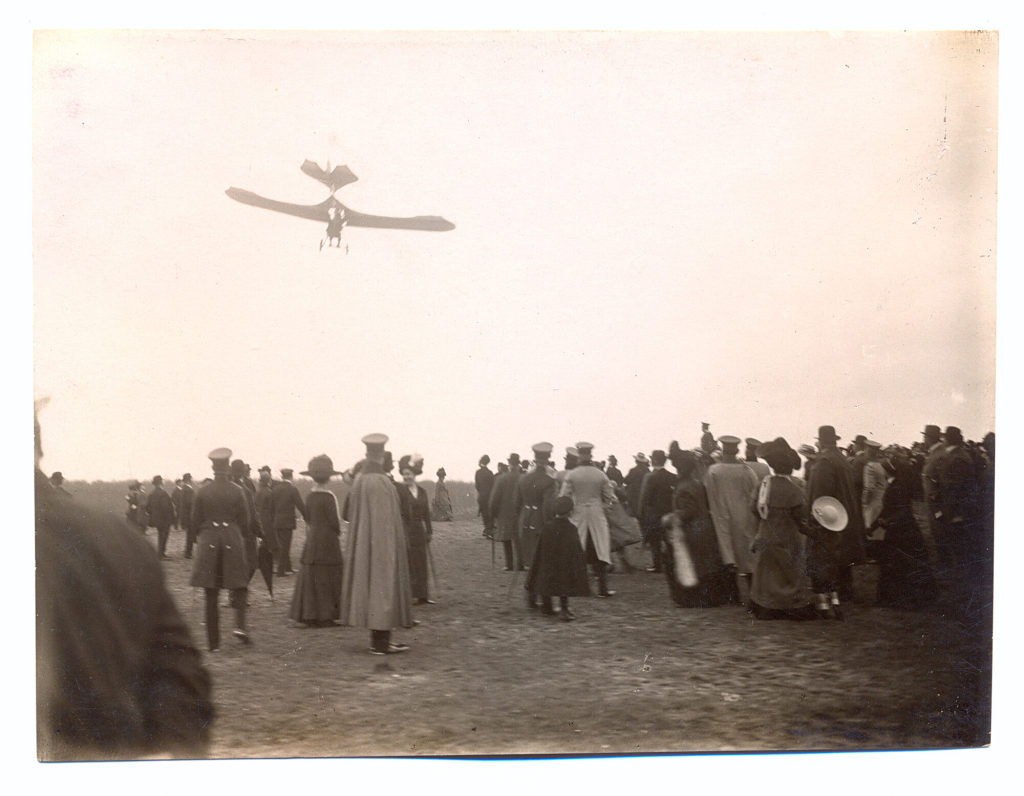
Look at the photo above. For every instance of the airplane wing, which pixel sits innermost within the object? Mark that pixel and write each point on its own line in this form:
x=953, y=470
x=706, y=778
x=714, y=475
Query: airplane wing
x=429, y=223
x=352, y=217
x=340, y=176
x=312, y=212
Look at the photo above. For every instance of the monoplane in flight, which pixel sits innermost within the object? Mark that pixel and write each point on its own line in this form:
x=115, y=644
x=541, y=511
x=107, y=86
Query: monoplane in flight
x=334, y=213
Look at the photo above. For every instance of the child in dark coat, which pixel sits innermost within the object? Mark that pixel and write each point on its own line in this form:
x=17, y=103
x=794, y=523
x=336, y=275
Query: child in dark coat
x=559, y=567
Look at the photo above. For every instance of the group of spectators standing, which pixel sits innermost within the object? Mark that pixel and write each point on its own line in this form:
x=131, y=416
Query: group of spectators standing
x=777, y=530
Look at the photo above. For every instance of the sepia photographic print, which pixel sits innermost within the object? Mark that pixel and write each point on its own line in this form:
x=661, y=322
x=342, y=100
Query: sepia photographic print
x=507, y=394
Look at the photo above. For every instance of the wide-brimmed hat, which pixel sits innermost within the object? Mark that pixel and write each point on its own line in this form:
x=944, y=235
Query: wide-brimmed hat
x=830, y=513
x=778, y=454
x=807, y=451
x=931, y=431
x=953, y=435
x=640, y=458
x=320, y=467
x=265, y=469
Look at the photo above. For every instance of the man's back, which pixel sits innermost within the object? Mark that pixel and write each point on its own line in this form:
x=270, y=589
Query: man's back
x=286, y=501
x=118, y=675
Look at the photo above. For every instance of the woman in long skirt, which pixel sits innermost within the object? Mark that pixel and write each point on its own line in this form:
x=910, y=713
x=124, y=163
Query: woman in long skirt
x=905, y=578
x=442, y=505
x=418, y=531
x=316, y=601
x=693, y=565
x=559, y=568
x=780, y=588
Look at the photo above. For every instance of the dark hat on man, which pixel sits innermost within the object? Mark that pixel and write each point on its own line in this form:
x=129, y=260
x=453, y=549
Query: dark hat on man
x=753, y=442
x=157, y=480
x=705, y=426
x=827, y=434
x=952, y=435
x=563, y=506
x=779, y=455
x=658, y=458
x=729, y=440
x=542, y=450
x=612, y=459
x=932, y=431
x=221, y=458
x=286, y=472
x=265, y=469
x=513, y=458
x=320, y=467
x=375, y=442
x=239, y=468
x=860, y=438
x=485, y=459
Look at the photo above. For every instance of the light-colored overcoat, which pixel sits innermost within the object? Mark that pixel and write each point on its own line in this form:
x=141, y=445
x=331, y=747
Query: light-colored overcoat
x=590, y=490
x=375, y=590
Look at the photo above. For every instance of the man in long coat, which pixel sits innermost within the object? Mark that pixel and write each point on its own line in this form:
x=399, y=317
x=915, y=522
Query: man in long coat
x=254, y=530
x=503, y=510
x=160, y=514
x=590, y=491
x=265, y=509
x=376, y=592
x=732, y=488
x=656, y=500
x=935, y=450
x=484, y=480
x=634, y=482
x=188, y=497
x=534, y=494
x=831, y=477
x=287, y=501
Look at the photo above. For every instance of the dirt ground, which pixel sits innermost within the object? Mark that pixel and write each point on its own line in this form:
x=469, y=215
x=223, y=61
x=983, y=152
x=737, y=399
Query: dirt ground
x=633, y=674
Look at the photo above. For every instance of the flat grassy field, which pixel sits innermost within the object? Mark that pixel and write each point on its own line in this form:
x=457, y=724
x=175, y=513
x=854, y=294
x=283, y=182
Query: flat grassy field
x=633, y=674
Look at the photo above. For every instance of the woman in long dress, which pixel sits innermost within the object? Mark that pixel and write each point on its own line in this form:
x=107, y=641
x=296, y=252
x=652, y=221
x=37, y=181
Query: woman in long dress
x=316, y=601
x=558, y=568
x=418, y=531
x=780, y=588
x=442, y=505
x=693, y=565
x=905, y=578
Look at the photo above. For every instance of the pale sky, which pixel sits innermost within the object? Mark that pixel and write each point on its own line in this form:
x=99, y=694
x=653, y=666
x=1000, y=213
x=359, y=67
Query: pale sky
x=766, y=231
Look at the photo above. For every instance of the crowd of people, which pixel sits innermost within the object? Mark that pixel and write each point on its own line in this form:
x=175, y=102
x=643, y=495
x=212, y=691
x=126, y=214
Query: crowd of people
x=775, y=529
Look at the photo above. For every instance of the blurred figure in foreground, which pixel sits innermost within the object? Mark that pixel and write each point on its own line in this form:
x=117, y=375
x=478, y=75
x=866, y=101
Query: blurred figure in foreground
x=118, y=677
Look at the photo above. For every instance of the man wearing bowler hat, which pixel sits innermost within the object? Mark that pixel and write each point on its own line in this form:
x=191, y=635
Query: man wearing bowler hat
x=831, y=477
x=376, y=592
x=656, y=500
x=265, y=508
x=160, y=514
x=484, y=482
x=590, y=491
x=287, y=501
x=956, y=492
x=934, y=451
x=188, y=498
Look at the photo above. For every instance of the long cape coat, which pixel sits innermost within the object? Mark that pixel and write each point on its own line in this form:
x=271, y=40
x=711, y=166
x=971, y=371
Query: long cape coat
x=503, y=506
x=375, y=589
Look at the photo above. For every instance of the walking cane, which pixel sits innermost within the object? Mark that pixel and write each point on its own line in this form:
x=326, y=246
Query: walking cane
x=492, y=549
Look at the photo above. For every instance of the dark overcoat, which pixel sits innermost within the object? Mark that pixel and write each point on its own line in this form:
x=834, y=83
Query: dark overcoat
x=287, y=501
x=159, y=508
x=219, y=516
x=118, y=676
